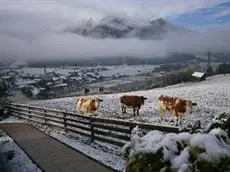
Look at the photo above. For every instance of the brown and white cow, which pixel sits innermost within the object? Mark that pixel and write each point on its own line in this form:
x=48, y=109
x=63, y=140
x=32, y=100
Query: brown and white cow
x=131, y=101
x=86, y=105
x=177, y=106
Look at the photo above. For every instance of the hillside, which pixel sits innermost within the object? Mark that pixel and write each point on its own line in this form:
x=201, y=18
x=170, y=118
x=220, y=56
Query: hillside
x=212, y=97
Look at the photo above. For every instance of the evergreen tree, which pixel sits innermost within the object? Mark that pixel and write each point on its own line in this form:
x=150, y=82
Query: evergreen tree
x=209, y=71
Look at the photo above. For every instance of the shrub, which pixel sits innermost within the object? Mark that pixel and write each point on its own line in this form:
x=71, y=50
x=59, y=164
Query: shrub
x=181, y=152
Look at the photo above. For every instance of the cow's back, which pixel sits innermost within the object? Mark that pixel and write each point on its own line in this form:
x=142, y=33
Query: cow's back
x=81, y=104
x=87, y=105
x=93, y=106
x=167, y=103
x=180, y=106
x=131, y=101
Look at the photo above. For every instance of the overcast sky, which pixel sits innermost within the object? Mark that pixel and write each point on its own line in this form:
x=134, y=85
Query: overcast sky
x=35, y=28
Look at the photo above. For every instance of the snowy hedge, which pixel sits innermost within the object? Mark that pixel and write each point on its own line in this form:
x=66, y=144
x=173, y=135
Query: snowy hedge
x=181, y=152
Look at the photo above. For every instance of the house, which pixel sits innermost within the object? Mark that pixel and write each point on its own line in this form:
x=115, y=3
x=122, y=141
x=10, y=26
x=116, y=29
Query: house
x=58, y=80
x=201, y=76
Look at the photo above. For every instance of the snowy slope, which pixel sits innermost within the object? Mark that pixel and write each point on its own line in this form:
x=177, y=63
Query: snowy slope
x=212, y=96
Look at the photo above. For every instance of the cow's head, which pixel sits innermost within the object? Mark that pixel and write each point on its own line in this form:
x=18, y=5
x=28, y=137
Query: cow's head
x=143, y=99
x=99, y=100
x=190, y=105
x=161, y=97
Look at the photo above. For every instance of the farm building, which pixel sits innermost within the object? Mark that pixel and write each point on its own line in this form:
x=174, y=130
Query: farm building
x=201, y=76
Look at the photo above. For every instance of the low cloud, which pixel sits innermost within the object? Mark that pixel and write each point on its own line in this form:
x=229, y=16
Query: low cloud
x=33, y=29
x=71, y=46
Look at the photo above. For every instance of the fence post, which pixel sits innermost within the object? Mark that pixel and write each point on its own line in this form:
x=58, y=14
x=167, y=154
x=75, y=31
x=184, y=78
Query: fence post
x=92, y=129
x=29, y=112
x=65, y=121
x=45, y=115
x=8, y=109
x=130, y=129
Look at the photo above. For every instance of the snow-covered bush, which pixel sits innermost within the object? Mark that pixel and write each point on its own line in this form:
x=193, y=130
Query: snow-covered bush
x=183, y=152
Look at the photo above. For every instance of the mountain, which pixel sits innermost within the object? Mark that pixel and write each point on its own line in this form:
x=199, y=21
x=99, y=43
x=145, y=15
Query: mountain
x=116, y=27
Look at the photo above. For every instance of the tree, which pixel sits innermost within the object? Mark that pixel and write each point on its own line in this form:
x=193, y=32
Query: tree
x=223, y=68
x=3, y=95
x=209, y=71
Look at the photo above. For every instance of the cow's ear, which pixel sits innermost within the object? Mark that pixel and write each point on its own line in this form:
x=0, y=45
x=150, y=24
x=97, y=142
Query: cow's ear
x=145, y=98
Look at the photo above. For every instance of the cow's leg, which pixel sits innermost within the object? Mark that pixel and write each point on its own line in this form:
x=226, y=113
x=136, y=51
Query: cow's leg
x=78, y=111
x=125, y=110
x=181, y=118
x=178, y=120
x=162, y=113
x=122, y=109
x=134, y=111
x=176, y=117
x=138, y=111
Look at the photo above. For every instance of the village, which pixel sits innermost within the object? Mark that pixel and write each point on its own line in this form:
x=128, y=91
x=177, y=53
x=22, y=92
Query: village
x=52, y=82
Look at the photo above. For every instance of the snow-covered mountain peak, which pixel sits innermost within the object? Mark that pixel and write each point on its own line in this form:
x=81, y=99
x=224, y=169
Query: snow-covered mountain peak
x=118, y=27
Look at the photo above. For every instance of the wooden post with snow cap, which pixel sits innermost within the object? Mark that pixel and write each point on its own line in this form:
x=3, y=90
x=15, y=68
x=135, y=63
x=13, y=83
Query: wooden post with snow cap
x=92, y=129
x=64, y=120
x=130, y=129
x=45, y=116
x=29, y=112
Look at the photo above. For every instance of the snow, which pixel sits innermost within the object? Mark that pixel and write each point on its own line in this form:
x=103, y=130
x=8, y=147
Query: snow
x=198, y=74
x=36, y=71
x=212, y=97
x=12, y=119
x=181, y=160
x=111, y=83
x=35, y=91
x=23, y=82
x=127, y=69
x=215, y=150
x=20, y=161
x=179, y=156
x=221, y=134
x=61, y=85
x=5, y=77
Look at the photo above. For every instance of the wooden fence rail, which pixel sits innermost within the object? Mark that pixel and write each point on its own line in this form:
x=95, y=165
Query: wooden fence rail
x=112, y=131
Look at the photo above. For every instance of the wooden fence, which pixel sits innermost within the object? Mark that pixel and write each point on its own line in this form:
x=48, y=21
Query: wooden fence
x=112, y=131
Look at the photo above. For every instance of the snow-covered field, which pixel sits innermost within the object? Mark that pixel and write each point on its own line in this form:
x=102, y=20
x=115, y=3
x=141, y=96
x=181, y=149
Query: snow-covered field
x=127, y=69
x=105, y=153
x=112, y=70
x=212, y=97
